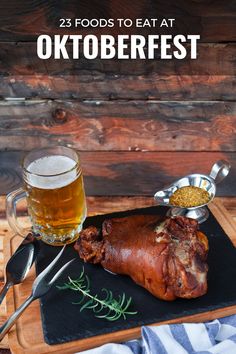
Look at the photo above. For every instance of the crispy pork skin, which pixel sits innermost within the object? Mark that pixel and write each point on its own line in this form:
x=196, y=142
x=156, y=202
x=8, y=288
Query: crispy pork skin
x=167, y=256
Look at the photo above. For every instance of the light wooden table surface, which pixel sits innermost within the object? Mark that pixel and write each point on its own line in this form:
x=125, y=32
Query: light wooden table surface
x=96, y=205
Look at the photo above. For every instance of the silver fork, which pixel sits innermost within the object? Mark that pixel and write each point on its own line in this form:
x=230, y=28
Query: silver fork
x=40, y=287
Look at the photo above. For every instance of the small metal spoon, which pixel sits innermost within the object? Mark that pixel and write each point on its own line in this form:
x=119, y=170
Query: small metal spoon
x=20, y=263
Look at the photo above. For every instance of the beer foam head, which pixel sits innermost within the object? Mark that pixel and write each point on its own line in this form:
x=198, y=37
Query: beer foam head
x=50, y=172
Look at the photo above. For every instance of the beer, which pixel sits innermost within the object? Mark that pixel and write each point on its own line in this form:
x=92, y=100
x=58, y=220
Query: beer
x=55, y=197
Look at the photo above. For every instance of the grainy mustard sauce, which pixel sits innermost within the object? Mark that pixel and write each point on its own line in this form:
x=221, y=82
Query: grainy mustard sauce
x=189, y=196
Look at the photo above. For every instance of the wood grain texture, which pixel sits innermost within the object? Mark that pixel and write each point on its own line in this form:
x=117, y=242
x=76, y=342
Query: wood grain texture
x=4, y=232
x=108, y=86
x=95, y=205
x=21, y=59
x=213, y=20
x=228, y=223
x=26, y=337
x=129, y=173
x=119, y=125
x=229, y=205
x=106, y=204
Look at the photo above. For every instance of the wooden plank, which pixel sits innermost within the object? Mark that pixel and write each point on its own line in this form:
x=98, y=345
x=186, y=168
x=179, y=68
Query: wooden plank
x=229, y=205
x=95, y=205
x=106, y=86
x=119, y=125
x=106, y=204
x=103, y=205
x=227, y=222
x=214, y=21
x=4, y=232
x=26, y=337
x=130, y=173
x=21, y=59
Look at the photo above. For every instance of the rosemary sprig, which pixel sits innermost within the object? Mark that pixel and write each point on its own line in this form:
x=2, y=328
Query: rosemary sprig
x=108, y=308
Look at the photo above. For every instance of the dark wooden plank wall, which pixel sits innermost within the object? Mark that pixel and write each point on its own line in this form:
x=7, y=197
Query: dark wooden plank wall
x=24, y=20
x=138, y=124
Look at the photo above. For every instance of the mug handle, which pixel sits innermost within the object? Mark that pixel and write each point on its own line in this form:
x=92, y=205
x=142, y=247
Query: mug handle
x=11, y=202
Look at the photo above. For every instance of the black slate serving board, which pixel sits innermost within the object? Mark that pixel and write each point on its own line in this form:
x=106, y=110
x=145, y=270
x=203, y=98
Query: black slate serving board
x=63, y=322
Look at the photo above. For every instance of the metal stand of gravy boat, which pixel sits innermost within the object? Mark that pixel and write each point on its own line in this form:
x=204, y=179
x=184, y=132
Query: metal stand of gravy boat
x=208, y=182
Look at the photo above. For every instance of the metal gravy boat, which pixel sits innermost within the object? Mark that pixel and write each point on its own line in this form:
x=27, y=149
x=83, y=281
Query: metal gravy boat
x=208, y=182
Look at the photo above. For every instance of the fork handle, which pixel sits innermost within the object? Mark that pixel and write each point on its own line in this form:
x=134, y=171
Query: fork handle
x=12, y=319
x=4, y=290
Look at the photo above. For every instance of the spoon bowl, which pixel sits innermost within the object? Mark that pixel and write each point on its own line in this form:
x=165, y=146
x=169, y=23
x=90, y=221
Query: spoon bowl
x=20, y=263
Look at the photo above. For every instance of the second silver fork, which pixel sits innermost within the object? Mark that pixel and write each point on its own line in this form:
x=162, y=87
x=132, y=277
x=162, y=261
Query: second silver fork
x=40, y=287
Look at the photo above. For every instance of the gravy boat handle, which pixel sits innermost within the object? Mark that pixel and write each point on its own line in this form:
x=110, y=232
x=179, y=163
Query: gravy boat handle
x=220, y=170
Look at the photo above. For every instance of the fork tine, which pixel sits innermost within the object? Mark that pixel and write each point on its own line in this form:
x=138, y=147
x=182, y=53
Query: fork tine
x=60, y=271
x=48, y=268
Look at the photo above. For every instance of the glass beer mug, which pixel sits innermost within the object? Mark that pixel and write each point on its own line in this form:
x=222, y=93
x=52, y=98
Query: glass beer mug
x=54, y=190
